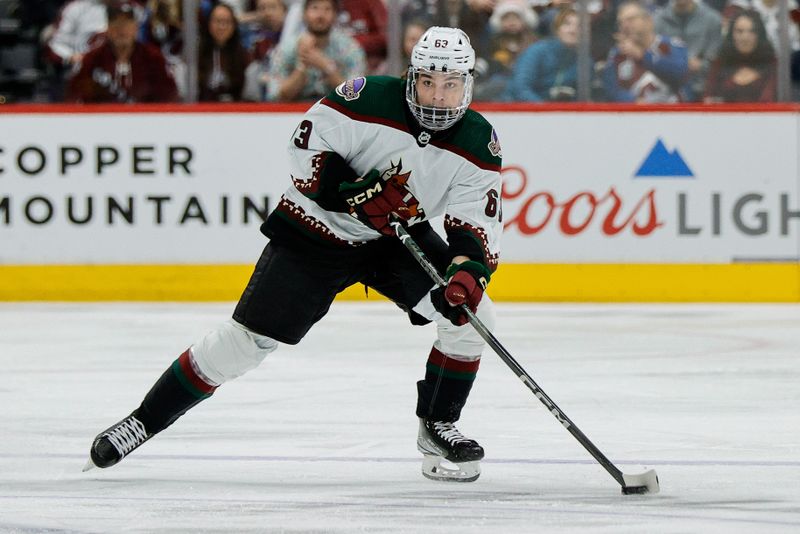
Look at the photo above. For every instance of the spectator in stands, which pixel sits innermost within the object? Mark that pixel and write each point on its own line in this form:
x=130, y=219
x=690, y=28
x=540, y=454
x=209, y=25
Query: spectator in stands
x=266, y=37
x=644, y=67
x=601, y=19
x=512, y=24
x=254, y=26
x=323, y=57
x=120, y=69
x=700, y=29
x=163, y=27
x=472, y=16
x=77, y=23
x=547, y=14
x=769, y=11
x=271, y=15
x=222, y=59
x=745, y=70
x=548, y=69
x=412, y=31
x=366, y=22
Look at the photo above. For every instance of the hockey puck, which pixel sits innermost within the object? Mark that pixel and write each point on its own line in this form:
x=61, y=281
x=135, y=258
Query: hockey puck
x=634, y=490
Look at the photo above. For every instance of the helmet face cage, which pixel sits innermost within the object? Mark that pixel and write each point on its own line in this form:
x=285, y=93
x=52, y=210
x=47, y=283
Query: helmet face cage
x=440, y=50
x=436, y=118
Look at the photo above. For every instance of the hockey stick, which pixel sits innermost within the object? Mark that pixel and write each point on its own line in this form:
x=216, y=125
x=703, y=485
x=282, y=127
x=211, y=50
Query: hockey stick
x=646, y=482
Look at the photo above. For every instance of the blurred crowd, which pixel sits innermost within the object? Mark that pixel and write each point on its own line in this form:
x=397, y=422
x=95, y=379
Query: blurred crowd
x=644, y=51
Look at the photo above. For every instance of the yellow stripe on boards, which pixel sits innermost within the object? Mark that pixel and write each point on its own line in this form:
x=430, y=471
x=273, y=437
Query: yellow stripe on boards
x=761, y=282
x=123, y=282
x=757, y=282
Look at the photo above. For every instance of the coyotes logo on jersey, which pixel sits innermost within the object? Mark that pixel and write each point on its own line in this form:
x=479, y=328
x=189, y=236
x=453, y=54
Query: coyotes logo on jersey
x=409, y=209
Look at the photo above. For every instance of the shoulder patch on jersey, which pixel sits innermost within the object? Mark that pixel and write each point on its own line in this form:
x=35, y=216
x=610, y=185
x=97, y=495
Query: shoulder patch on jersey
x=351, y=89
x=494, y=145
x=380, y=100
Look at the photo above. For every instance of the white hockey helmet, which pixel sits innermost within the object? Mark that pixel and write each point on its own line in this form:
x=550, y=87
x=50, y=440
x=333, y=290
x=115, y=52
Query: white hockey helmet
x=441, y=50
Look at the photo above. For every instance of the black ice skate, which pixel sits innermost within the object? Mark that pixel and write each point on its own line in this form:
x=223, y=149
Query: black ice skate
x=116, y=442
x=441, y=441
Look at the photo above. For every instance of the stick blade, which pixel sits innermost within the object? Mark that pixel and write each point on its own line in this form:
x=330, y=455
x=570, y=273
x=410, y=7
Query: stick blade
x=646, y=482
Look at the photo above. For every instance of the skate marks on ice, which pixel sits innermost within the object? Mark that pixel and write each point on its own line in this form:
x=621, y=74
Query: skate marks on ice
x=185, y=495
x=321, y=437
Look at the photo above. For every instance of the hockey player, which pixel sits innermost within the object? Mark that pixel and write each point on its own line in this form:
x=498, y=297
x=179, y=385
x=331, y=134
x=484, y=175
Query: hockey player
x=373, y=147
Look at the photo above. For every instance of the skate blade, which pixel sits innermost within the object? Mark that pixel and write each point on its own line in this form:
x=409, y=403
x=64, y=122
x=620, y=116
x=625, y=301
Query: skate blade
x=437, y=468
x=89, y=466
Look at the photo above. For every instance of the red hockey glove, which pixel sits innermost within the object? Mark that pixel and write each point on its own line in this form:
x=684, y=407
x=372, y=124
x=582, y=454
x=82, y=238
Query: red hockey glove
x=465, y=284
x=373, y=198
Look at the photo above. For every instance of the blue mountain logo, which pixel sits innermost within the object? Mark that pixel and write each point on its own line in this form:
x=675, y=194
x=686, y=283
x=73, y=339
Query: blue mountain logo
x=660, y=162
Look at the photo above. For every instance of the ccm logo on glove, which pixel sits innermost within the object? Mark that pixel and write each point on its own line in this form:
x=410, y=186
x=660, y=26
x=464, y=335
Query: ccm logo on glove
x=365, y=195
x=375, y=196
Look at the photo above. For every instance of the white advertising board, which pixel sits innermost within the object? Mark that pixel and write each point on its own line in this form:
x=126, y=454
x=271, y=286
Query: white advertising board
x=578, y=187
x=643, y=187
x=139, y=188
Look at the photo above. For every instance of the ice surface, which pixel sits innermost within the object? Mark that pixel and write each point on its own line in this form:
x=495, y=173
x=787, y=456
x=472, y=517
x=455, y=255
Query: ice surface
x=321, y=437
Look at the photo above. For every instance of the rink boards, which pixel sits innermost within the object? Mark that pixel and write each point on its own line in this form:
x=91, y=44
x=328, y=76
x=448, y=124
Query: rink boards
x=599, y=203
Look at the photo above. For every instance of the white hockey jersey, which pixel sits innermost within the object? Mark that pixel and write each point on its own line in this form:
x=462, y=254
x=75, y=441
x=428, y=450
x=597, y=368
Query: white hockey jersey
x=455, y=173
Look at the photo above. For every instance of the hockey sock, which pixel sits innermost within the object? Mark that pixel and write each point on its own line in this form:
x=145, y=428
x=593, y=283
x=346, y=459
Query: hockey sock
x=179, y=389
x=447, y=384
